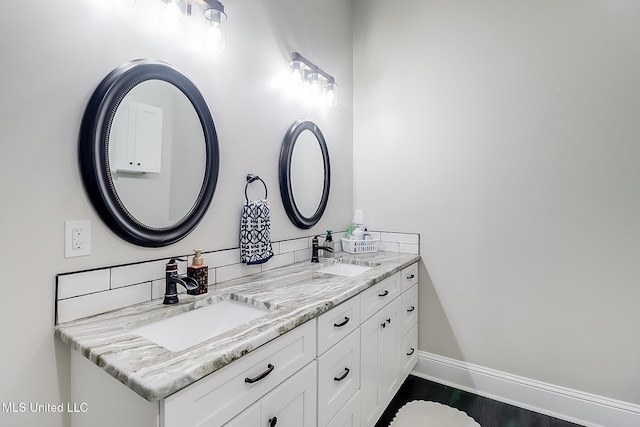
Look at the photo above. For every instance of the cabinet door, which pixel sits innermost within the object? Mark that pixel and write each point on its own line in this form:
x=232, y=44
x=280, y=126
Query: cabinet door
x=293, y=403
x=349, y=415
x=148, y=140
x=338, y=376
x=250, y=417
x=380, y=361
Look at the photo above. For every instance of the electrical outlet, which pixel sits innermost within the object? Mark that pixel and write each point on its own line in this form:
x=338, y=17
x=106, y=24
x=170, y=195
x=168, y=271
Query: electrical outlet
x=77, y=238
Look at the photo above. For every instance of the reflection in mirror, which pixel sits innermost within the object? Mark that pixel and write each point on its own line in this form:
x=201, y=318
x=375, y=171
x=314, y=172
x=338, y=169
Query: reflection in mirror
x=307, y=173
x=148, y=153
x=157, y=153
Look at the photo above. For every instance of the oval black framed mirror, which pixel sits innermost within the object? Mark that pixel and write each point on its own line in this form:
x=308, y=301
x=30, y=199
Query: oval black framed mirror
x=148, y=153
x=305, y=173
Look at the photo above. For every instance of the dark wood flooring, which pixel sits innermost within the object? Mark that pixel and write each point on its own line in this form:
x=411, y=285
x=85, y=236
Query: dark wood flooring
x=487, y=412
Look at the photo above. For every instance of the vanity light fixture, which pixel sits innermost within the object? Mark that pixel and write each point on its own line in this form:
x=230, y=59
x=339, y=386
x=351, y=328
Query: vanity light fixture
x=213, y=11
x=216, y=16
x=304, y=72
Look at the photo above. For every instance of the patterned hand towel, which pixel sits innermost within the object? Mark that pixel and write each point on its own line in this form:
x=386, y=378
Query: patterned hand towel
x=255, y=234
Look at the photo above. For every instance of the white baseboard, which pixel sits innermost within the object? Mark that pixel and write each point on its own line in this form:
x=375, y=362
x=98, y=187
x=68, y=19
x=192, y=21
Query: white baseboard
x=571, y=405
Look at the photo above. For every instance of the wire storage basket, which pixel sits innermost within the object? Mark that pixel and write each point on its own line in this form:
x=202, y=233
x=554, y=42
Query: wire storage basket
x=359, y=246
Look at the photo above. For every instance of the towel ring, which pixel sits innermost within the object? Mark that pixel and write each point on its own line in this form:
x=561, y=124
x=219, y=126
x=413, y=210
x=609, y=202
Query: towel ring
x=251, y=178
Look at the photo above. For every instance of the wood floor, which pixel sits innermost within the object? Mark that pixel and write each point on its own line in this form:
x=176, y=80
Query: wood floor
x=487, y=412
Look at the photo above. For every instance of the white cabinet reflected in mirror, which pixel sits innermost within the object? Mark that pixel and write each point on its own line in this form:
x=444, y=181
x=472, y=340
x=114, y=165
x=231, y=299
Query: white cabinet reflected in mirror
x=157, y=153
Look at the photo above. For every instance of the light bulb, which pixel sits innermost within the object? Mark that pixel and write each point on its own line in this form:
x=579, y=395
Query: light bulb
x=331, y=94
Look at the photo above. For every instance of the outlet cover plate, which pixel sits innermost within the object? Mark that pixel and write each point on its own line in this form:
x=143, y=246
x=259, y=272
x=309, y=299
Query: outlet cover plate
x=77, y=238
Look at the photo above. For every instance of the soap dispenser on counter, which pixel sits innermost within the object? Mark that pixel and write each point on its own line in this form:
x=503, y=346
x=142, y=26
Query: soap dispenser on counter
x=328, y=242
x=200, y=272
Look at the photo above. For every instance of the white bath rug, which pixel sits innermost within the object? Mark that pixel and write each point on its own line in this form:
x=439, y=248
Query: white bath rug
x=420, y=413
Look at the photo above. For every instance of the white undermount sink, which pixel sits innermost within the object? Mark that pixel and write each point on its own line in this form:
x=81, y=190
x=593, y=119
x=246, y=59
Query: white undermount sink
x=193, y=327
x=341, y=269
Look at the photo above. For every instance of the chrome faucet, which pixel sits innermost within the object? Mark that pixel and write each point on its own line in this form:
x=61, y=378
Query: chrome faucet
x=315, y=248
x=172, y=278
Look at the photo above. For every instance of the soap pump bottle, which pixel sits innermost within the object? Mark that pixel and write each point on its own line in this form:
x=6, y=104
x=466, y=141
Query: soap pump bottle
x=200, y=272
x=328, y=241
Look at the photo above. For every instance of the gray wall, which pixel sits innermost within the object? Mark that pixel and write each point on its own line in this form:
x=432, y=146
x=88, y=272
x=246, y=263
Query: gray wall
x=507, y=134
x=53, y=55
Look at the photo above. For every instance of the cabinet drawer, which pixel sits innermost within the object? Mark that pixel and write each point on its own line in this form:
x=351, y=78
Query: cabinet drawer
x=409, y=352
x=292, y=403
x=349, y=415
x=409, y=276
x=220, y=396
x=337, y=323
x=379, y=295
x=338, y=376
x=409, y=309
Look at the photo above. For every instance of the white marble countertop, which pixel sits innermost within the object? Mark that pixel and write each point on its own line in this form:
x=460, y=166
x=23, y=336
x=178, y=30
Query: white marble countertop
x=293, y=294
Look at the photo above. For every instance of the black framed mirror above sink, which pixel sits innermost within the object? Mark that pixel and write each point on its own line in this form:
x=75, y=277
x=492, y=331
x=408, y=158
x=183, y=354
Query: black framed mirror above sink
x=304, y=173
x=148, y=153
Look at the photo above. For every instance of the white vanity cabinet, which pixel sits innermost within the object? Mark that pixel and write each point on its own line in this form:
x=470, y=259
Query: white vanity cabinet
x=340, y=369
x=339, y=363
x=389, y=341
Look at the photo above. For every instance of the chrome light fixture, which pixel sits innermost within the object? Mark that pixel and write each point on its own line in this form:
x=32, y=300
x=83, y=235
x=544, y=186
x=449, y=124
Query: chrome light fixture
x=216, y=16
x=213, y=11
x=304, y=72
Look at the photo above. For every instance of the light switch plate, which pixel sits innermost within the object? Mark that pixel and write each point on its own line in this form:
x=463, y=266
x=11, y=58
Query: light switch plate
x=77, y=238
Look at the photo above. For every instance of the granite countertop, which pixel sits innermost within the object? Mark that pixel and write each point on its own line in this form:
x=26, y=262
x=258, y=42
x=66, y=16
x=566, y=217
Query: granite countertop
x=293, y=295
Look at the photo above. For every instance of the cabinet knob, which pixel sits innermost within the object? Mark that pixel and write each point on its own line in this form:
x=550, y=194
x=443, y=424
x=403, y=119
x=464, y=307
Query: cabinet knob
x=273, y=421
x=270, y=368
x=413, y=350
x=410, y=309
x=384, y=294
x=411, y=276
x=383, y=324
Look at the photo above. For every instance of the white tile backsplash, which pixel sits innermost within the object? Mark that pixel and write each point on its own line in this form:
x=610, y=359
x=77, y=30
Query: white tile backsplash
x=399, y=237
x=93, y=292
x=294, y=245
x=407, y=248
x=279, y=261
x=139, y=273
x=303, y=255
x=234, y=271
x=221, y=258
x=100, y=302
x=88, y=282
